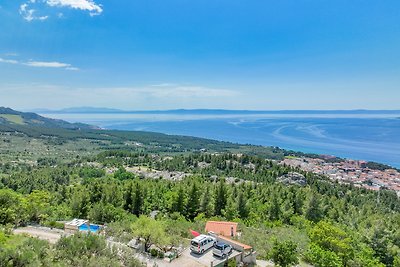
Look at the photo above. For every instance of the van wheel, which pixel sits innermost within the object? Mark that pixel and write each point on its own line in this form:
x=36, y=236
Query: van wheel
x=202, y=251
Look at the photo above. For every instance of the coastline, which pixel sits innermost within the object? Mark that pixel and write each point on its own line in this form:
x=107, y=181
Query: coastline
x=315, y=135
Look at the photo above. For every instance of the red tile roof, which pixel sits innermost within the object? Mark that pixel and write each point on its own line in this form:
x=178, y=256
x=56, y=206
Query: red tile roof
x=222, y=228
x=244, y=246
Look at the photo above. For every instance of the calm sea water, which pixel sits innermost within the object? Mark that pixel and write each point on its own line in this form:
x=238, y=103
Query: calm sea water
x=365, y=137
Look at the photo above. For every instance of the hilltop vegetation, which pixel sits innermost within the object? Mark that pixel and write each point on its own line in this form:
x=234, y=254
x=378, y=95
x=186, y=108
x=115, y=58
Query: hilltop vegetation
x=10, y=117
x=349, y=219
x=55, y=174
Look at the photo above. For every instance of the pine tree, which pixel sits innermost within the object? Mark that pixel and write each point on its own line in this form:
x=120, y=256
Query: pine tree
x=275, y=209
x=298, y=204
x=241, y=205
x=220, y=198
x=314, y=212
x=180, y=201
x=230, y=212
x=192, y=207
x=137, y=201
x=205, y=202
x=128, y=201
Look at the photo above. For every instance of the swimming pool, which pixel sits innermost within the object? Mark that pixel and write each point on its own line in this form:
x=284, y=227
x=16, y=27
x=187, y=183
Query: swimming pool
x=92, y=228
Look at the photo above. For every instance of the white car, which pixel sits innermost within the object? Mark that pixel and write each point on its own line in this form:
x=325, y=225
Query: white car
x=202, y=243
x=222, y=250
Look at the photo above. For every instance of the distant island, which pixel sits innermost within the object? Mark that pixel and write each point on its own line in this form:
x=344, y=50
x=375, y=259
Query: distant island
x=100, y=110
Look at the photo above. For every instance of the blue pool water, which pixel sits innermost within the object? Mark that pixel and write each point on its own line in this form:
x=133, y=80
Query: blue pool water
x=92, y=228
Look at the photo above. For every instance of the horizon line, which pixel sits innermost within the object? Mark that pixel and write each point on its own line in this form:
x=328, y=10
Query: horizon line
x=117, y=110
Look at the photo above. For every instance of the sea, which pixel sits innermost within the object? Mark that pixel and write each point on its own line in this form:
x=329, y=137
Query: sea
x=371, y=137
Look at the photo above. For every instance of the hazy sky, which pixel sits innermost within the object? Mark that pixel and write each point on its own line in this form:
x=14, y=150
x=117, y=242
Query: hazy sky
x=165, y=54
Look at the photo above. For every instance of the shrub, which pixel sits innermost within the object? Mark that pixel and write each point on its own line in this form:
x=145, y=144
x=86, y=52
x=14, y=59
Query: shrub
x=284, y=253
x=322, y=258
x=53, y=224
x=160, y=254
x=153, y=252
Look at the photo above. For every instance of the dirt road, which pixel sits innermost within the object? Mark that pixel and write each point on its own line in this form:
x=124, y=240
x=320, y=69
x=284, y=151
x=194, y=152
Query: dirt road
x=50, y=235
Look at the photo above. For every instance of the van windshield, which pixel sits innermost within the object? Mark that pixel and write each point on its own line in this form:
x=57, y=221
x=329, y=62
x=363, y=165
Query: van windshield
x=194, y=243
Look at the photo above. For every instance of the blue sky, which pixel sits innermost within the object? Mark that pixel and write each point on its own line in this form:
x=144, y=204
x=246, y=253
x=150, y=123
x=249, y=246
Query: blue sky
x=147, y=54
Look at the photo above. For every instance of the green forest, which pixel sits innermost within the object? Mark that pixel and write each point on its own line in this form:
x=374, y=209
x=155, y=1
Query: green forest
x=104, y=178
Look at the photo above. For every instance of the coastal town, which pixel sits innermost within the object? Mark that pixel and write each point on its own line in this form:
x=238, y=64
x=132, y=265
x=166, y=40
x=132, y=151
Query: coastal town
x=349, y=171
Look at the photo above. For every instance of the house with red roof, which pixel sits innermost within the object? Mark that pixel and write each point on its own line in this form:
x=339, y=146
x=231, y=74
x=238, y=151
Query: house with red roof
x=228, y=229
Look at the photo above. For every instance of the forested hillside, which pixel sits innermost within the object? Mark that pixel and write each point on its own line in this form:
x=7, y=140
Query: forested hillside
x=10, y=117
x=119, y=178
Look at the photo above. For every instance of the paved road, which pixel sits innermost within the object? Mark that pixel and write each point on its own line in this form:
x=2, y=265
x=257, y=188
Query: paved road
x=183, y=260
x=208, y=257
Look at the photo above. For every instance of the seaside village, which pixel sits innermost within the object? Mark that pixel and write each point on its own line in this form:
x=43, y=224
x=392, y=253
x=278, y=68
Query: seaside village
x=353, y=172
x=215, y=246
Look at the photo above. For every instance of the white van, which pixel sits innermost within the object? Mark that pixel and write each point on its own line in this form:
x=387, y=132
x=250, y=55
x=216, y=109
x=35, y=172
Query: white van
x=202, y=243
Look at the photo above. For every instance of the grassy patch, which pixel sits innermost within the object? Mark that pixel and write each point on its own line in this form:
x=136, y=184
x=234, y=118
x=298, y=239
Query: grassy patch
x=11, y=241
x=25, y=149
x=262, y=239
x=17, y=119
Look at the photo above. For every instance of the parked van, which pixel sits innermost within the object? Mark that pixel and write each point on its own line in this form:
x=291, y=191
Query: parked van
x=202, y=243
x=222, y=250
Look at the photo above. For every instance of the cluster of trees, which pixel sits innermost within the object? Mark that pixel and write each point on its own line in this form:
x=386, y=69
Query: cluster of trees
x=57, y=135
x=78, y=250
x=246, y=167
x=345, y=226
x=17, y=209
x=378, y=166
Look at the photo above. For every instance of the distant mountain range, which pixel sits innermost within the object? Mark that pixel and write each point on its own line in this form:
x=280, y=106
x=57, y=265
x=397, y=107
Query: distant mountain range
x=9, y=116
x=94, y=110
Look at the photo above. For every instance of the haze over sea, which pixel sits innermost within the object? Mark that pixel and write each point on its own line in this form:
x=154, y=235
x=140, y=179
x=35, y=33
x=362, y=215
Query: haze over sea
x=371, y=136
